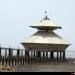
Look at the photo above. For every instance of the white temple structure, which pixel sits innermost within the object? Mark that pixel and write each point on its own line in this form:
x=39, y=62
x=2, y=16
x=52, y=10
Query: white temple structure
x=45, y=42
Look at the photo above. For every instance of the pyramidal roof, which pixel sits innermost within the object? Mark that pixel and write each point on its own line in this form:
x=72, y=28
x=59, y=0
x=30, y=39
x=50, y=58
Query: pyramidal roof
x=46, y=24
x=46, y=36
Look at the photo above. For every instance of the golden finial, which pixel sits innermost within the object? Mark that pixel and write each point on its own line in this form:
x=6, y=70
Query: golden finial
x=46, y=17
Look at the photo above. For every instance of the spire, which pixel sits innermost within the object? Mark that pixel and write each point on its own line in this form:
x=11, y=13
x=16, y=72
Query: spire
x=46, y=17
x=46, y=24
x=45, y=12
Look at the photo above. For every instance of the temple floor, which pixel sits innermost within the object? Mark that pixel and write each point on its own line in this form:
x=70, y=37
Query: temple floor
x=52, y=67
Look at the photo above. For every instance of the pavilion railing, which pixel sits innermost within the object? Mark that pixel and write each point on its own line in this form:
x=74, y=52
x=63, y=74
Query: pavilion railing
x=11, y=56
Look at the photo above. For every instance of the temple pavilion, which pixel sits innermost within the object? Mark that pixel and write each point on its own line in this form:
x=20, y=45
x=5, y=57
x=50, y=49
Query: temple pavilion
x=45, y=45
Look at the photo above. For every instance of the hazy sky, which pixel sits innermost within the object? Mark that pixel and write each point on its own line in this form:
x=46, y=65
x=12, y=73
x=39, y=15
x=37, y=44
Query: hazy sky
x=17, y=15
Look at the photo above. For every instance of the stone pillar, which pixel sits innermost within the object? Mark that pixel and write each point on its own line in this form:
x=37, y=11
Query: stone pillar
x=60, y=56
x=10, y=56
x=18, y=55
x=51, y=56
x=26, y=56
x=34, y=56
x=63, y=56
x=39, y=56
x=46, y=56
x=31, y=59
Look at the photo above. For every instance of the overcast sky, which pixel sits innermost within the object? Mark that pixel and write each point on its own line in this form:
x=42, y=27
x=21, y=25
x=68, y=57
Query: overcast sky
x=17, y=15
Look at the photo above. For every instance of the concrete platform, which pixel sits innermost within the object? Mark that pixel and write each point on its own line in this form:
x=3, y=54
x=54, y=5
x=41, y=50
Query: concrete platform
x=47, y=68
